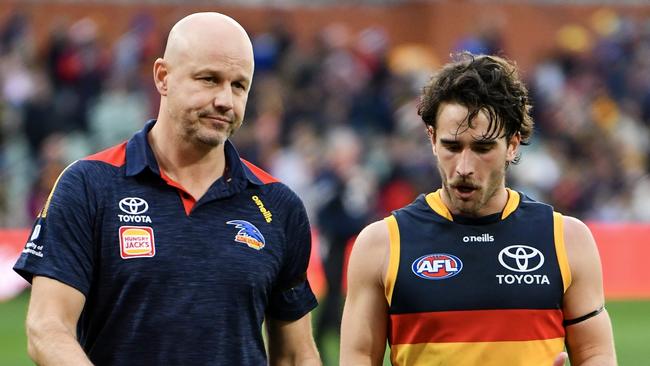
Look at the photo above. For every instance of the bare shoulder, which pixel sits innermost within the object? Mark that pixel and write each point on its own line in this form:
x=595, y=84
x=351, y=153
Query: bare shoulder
x=577, y=231
x=370, y=249
x=580, y=244
x=373, y=236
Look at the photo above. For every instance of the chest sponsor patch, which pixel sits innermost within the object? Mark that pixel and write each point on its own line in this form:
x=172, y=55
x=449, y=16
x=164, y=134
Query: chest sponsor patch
x=136, y=241
x=437, y=266
x=248, y=234
x=522, y=259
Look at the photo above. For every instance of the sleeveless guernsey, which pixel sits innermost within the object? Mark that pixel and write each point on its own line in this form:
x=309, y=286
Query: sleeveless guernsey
x=484, y=291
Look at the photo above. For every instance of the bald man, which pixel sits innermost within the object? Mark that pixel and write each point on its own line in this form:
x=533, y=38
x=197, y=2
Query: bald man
x=169, y=249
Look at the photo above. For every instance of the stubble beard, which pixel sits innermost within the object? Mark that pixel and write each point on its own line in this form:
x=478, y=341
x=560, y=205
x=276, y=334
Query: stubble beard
x=472, y=208
x=206, y=136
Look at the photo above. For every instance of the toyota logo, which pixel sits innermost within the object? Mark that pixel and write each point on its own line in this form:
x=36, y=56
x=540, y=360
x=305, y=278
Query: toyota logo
x=134, y=205
x=521, y=258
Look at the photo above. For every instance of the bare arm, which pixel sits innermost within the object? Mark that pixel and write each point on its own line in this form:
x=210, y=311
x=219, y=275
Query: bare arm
x=590, y=342
x=363, y=328
x=291, y=342
x=54, y=310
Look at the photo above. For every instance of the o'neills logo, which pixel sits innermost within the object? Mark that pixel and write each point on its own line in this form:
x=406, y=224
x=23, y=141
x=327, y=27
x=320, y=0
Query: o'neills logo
x=268, y=216
x=478, y=239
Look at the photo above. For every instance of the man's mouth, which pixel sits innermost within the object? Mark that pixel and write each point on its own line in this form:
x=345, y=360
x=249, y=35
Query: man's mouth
x=220, y=119
x=464, y=191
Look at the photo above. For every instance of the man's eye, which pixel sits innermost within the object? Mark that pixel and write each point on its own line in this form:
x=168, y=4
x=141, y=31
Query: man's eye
x=482, y=149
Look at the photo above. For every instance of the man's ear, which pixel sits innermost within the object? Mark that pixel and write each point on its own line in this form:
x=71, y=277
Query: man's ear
x=431, y=132
x=160, y=73
x=513, y=147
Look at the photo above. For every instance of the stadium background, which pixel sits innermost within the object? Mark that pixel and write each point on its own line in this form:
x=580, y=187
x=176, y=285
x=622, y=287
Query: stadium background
x=332, y=114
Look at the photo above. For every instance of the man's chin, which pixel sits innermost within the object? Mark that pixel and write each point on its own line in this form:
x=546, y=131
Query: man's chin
x=212, y=139
x=211, y=142
x=466, y=207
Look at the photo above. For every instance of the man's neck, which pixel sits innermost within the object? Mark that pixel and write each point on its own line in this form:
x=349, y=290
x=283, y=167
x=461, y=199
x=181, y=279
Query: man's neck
x=193, y=168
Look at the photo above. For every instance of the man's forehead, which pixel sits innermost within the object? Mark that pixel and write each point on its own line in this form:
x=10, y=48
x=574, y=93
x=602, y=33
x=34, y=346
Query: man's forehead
x=469, y=136
x=209, y=36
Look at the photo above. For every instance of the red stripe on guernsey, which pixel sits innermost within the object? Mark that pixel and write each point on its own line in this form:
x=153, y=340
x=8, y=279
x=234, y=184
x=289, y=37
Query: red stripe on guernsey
x=115, y=155
x=265, y=177
x=476, y=326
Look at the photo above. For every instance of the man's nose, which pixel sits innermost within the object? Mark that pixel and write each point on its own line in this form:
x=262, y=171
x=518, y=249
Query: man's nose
x=466, y=163
x=223, y=98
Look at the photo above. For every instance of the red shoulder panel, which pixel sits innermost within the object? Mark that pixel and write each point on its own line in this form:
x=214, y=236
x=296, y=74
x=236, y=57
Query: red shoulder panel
x=265, y=177
x=115, y=155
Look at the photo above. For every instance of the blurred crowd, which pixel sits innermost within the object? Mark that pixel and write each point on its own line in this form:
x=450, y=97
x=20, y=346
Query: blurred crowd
x=336, y=121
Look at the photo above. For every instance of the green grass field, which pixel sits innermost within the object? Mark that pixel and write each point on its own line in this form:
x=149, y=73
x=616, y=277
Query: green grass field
x=631, y=321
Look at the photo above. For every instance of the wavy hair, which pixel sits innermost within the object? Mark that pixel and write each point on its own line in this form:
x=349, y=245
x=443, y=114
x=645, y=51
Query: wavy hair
x=481, y=83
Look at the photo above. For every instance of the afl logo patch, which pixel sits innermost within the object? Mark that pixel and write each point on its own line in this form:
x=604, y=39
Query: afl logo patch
x=437, y=266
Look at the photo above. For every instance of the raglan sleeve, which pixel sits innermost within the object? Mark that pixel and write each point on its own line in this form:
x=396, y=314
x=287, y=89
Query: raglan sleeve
x=292, y=296
x=60, y=245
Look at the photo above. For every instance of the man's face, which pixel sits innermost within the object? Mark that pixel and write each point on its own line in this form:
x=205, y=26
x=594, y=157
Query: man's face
x=472, y=167
x=207, y=92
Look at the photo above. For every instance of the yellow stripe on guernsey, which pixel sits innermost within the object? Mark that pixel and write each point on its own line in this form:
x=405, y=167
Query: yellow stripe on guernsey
x=474, y=353
x=512, y=204
x=560, y=249
x=393, y=259
x=46, y=207
x=434, y=200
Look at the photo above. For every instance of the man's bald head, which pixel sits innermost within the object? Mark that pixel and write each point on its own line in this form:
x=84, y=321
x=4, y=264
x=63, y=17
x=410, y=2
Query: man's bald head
x=201, y=31
x=204, y=79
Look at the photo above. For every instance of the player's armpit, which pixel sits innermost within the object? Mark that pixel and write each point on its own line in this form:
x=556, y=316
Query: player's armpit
x=589, y=342
x=54, y=309
x=363, y=328
x=291, y=343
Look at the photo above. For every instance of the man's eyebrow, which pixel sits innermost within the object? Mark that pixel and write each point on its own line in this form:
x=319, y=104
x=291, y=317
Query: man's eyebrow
x=213, y=72
x=449, y=141
x=484, y=142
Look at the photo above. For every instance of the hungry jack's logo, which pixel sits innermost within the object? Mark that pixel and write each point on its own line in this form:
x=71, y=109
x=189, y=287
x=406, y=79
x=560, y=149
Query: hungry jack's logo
x=248, y=234
x=136, y=241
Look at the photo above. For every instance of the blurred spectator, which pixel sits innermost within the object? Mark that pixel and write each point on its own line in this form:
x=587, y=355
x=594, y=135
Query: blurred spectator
x=485, y=38
x=80, y=70
x=51, y=164
x=118, y=111
x=345, y=196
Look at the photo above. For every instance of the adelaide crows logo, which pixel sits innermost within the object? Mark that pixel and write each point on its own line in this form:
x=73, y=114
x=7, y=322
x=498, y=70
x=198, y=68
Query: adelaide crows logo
x=248, y=234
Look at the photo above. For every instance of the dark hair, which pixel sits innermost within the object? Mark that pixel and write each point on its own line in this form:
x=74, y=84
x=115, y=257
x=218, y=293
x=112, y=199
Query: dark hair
x=481, y=83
